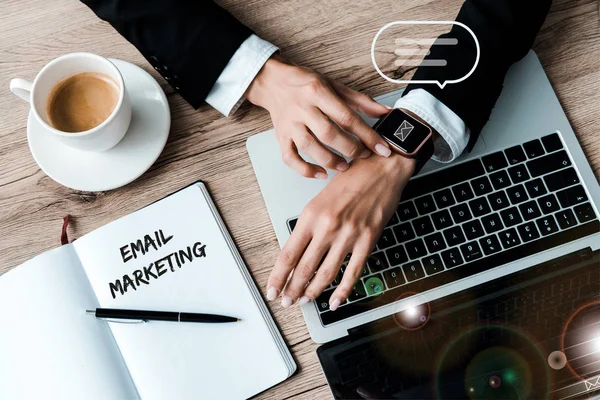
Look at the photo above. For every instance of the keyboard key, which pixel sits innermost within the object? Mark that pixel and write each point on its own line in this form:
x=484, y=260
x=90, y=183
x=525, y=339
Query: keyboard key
x=358, y=291
x=374, y=285
x=566, y=219
x=471, y=251
x=386, y=239
x=511, y=217
x=462, y=192
x=365, y=271
x=416, y=249
x=441, y=219
x=517, y=194
x=494, y=161
x=452, y=258
x=509, y=238
x=435, y=242
x=515, y=155
x=528, y=231
x=518, y=173
x=481, y=186
x=535, y=188
x=584, y=212
x=492, y=223
x=490, y=244
x=396, y=255
x=500, y=180
x=292, y=224
x=454, y=236
x=550, y=163
x=377, y=262
x=444, y=198
x=473, y=229
x=547, y=225
x=533, y=149
x=548, y=204
x=413, y=270
x=404, y=232
x=323, y=300
x=442, y=179
x=394, y=220
x=570, y=197
x=552, y=142
x=433, y=264
x=423, y=226
x=479, y=207
x=394, y=277
x=407, y=211
x=425, y=204
x=498, y=200
x=561, y=179
x=460, y=213
x=530, y=210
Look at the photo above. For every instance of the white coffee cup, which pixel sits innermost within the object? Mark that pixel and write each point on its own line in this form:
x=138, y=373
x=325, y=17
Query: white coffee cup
x=100, y=138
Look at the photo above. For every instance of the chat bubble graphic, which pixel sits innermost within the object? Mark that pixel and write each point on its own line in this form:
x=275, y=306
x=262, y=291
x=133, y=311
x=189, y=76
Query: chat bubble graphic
x=402, y=46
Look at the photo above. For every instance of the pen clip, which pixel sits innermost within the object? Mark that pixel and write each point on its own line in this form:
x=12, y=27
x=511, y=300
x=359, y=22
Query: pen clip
x=124, y=321
x=115, y=320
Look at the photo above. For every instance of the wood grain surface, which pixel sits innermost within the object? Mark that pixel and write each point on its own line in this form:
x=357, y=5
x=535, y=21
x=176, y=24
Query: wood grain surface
x=332, y=36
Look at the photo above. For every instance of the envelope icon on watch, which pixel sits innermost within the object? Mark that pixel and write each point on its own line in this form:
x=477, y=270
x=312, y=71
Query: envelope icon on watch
x=403, y=130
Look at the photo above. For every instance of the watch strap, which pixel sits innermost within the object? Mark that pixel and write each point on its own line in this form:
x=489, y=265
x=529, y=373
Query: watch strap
x=423, y=155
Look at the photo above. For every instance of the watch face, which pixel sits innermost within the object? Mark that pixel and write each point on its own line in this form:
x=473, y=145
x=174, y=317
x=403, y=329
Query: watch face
x=402, y=131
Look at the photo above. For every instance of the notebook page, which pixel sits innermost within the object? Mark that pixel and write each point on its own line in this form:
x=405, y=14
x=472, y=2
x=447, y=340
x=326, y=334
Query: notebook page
x=49, y=348
x=169, y=360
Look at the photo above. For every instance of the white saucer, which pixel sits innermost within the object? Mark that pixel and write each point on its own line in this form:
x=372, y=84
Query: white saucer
x=139, y=149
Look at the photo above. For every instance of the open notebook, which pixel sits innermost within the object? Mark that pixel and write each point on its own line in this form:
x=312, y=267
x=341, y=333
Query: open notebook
x=174, y=255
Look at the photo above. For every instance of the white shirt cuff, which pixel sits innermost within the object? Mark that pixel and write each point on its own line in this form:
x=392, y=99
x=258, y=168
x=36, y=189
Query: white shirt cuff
x=227, y=94
x=454, y=134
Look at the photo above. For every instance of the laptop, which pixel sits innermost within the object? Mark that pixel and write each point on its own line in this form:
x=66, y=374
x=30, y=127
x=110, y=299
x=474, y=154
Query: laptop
x=523, y=198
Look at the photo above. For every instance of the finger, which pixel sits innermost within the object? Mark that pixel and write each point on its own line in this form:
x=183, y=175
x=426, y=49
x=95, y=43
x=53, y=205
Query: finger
x=336, y=109
x=331, y=135
x=360, y=102
x=304, y=271
x=352, y=272
x=326, y=272
x=288, y=258
x=291, y=158
x=306, y=143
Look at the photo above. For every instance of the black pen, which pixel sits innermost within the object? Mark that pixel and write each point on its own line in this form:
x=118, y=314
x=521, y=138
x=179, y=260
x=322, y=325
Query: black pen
x=141, y=315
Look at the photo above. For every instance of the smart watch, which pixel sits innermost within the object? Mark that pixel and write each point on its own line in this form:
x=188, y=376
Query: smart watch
x=406, y=135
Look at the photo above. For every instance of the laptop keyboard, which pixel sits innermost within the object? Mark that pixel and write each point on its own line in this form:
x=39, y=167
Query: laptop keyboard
x=468, y=218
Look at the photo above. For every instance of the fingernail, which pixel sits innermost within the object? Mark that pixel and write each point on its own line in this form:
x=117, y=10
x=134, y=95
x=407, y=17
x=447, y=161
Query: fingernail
x=272, y=293
x=286, y=302
x=388, y=107
x=342, y=166
x=321, y=175
x=365, y=154
x=382, y=150
x=304, y=300
x=334, y=304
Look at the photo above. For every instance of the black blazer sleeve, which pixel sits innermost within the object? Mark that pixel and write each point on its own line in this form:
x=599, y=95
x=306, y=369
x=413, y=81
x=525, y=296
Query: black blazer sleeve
x=189, y=42
x=505, y=30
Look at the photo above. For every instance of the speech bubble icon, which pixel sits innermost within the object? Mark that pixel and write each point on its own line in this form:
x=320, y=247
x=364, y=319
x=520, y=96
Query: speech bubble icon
x=405, y=44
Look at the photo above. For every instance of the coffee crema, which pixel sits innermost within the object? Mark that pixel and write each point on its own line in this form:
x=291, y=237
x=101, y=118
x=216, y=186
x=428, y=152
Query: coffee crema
x=82, y=102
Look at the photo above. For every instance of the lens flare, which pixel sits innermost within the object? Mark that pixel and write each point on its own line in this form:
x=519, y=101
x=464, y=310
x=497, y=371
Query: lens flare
x=416, y=315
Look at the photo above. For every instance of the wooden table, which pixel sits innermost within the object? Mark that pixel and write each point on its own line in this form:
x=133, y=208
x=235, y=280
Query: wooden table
x=332, y=36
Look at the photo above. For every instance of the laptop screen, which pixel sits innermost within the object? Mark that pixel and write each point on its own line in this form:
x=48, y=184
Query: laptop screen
x=534, y=334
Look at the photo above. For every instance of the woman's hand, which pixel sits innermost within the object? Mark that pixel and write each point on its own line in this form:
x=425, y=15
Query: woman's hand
x=348, y=216
x=302, y=101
